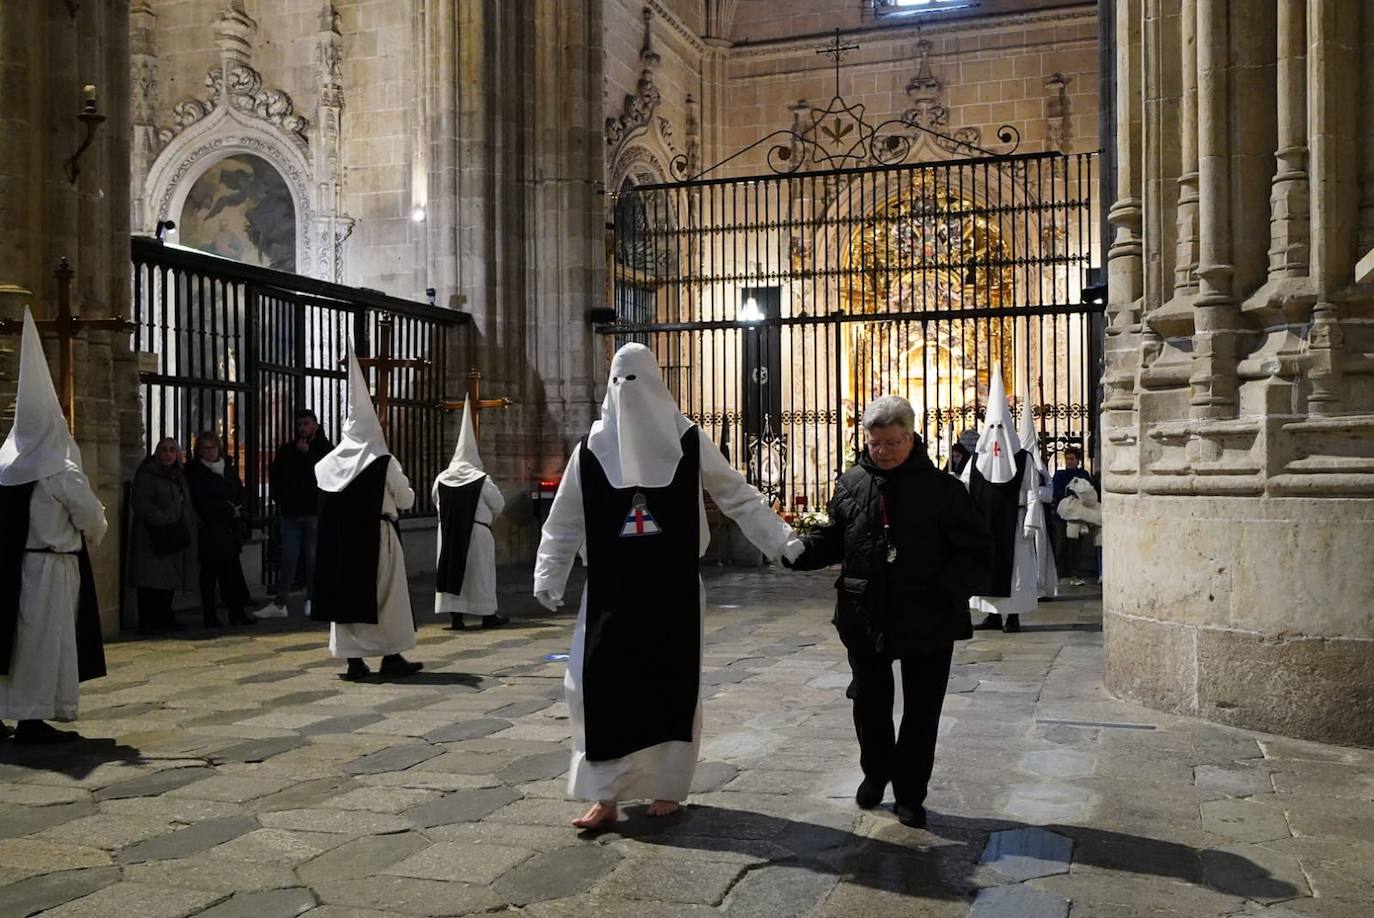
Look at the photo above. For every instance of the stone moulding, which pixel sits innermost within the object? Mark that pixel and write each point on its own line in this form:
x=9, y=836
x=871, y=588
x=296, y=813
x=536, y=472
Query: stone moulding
x=243, y=90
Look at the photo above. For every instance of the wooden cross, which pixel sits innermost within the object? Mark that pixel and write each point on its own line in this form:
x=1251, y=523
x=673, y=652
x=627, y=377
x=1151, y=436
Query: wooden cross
x=385, y=363
x=65, y=327
x=479, y=404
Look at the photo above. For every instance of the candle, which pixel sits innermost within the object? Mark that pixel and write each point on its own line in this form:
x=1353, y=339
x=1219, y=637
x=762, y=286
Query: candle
x=88, y=95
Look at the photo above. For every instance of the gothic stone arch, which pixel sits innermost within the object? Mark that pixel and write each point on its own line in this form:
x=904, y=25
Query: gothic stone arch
x=222, y=133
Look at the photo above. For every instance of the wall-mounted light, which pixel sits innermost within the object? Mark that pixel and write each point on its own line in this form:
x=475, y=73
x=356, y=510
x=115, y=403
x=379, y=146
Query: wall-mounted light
x=418, y=214
x=165, y=227
x=91, y=118
x=749, y=311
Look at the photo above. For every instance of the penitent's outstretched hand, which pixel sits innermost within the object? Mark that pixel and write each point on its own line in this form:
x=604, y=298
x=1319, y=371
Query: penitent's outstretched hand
x=552, y=603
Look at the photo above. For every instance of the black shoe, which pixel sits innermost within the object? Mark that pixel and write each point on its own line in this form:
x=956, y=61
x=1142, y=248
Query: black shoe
x=993, y=622
x=396, y=665
x=870, y=793
x=913, y=816
x=1012, y=625
x=357, y=669
x=37, y=732
x=456, y=622
x=495, y=620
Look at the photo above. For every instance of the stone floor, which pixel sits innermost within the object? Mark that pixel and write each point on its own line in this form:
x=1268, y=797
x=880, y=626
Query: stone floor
x=236, y=775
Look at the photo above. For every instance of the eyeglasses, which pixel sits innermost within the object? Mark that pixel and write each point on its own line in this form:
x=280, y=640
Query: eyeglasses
x=886, y=445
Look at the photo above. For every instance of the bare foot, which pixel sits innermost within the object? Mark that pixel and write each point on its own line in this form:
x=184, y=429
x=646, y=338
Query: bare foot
x=599, y=816
x=664, y=807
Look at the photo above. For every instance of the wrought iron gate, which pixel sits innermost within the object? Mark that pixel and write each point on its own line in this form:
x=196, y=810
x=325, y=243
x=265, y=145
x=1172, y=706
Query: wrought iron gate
x=780, y=305
x=239, y=349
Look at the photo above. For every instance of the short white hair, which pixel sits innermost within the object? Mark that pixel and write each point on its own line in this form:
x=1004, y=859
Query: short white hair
x=890, y=410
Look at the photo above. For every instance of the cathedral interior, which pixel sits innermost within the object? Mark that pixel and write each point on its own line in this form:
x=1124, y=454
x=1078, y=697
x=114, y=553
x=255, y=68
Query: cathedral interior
x=1155, y=216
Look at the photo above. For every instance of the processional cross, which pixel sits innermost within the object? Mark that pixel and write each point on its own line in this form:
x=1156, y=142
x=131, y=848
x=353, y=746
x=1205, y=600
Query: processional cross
x=836, y=49
x=65, y=327
x=479, y=404
x=385, y=363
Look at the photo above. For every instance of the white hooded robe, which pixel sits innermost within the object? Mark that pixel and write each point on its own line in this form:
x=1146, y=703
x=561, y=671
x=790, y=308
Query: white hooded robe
x=362, y=443
x=478, y=596
x=637, y=441
x=1047, y=577
x=995, y=459
x=43, y=681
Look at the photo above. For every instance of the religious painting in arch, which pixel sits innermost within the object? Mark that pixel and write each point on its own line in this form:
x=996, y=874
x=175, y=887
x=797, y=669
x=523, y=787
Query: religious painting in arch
x=241, y=208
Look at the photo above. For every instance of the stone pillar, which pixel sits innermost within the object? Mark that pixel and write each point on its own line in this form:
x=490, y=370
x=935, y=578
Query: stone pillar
x=48, y=52
x=1213, y=381
x=144, y=86
x=331, y=226
x=1288, y=229
x=1125, y=266
x=1185, y=258
x=1227, y=589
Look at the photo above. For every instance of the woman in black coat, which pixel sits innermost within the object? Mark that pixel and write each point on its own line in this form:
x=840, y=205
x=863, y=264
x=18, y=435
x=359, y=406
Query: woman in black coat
x=217, y=495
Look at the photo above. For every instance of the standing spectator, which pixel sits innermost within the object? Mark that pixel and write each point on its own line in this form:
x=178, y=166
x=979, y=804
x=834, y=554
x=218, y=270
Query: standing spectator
x=292, y=482
x=912, y=548
x=162, y=554
x=217, y=495
x=1066, y=551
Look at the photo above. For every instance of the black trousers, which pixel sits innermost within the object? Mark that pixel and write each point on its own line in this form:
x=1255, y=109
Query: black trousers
x=154, y=608
x=227, y=573
x=905, y=757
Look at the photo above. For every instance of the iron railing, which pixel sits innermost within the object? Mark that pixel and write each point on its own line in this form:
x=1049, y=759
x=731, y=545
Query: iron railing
x=239, y=349
x=779, y=305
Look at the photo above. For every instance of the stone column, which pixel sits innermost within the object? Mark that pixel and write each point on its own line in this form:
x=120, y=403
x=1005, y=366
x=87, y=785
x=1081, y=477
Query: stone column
x=48, y=52
x=331, y=226
x=1213, y=377
x=144, y=80
x=1185, y=258
x=1288, y=229
x=1331, y=61
x=1125, y=266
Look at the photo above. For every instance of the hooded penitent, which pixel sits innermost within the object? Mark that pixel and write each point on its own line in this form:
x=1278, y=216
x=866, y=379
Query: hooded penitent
x=39, y=444
x=998, y=444
x=362, y=441
x=466, y=465
x=638, y=440
x=1027, y=434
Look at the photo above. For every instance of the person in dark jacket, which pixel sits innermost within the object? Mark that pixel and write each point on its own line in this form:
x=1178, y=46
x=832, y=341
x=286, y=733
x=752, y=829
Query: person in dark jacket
x=292, y=481
x=912, y=548
x=162, y=550
x=1067, y=551
x=217, y=495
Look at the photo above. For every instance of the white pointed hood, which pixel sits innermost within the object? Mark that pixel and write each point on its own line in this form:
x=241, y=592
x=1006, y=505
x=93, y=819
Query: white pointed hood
x=362, y=439
x=466, y=465
x=39, y=444
x=638, y=440
x=1027, y=434
x=998, y=445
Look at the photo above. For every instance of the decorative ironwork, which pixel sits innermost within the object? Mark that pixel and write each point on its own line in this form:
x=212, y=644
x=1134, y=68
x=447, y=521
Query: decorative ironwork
x=840, y=136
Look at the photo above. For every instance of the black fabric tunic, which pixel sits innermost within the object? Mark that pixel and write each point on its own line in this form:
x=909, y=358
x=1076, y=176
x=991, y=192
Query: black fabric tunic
x=641, y=669
x=457, y=515
x=999, y=504
x=348, y=549
x=14, y=534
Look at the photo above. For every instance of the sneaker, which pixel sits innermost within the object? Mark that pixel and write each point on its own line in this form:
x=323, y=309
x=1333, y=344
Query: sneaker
x=870, y=793
x=275, y=610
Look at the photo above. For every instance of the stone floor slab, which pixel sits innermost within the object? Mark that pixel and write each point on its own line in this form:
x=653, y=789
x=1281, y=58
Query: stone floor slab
x=273, y=903
x=35, y=894
x=557, y=874
x=409, y=896
x=667, y=879
x=1022, y=854
x=1018, y=902
x=138, y=899
x=480, y=864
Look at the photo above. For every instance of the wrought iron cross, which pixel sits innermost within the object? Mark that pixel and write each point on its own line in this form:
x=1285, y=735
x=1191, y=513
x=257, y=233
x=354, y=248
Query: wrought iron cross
x=385, y=363
x=65, y=327
x=479, y=404
x=836, y=49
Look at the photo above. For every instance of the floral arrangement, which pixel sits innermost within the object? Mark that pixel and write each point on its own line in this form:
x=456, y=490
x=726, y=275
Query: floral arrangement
x=810, y=520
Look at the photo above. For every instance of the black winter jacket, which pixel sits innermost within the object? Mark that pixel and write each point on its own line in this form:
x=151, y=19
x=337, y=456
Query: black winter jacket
x=214, y=497
x=291, y=477
x=920, y=601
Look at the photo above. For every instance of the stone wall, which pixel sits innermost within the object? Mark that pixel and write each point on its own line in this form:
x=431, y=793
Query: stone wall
x=1239, y=408
x=48, y=52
